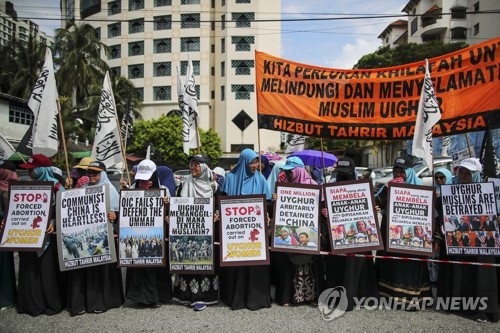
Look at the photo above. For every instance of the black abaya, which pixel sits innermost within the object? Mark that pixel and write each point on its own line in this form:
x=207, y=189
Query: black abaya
x=40, y=283
x=149, y=285
x=246, y=287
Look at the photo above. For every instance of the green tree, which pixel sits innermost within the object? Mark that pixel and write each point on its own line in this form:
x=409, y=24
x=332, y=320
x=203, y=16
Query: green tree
x=20, y=66
x=165, y=135
x=406, y=53
x=78, y=52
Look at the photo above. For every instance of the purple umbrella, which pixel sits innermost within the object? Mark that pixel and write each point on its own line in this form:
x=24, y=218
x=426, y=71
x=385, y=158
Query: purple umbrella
x=272, y=156
x=314, y=158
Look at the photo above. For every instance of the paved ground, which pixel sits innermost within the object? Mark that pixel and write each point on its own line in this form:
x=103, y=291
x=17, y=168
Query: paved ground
x=176, y=318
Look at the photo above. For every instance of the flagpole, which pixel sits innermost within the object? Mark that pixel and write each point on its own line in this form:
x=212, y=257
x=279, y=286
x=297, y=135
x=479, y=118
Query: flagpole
x=20, y=156
x=63, y=138
x=468, y=144
x=126, y=140
x=124, y=149
x=197, y=134
x=121, y=144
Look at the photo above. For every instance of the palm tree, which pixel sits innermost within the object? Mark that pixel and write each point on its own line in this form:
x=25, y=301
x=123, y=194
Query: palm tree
x=78, y=52
x=21, y=63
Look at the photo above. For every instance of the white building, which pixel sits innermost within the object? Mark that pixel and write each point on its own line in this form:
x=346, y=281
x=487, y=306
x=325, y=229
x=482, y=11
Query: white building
x=13, y=28
x=447, y=21
x=149, y=39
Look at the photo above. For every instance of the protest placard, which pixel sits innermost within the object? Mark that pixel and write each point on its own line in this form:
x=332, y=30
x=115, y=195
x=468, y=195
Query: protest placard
x=27, y=217
x=296, y=218
x=142, y=233
x=352, y=220
x=84, y=235
x=469, y=218
x=410, y=219
x=243, y=231
x=191, y=235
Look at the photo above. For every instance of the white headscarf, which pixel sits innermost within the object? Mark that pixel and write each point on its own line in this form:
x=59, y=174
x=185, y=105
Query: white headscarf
x=200, y=186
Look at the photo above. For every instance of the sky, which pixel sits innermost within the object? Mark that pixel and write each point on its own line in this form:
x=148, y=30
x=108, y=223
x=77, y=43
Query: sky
x=329, y=43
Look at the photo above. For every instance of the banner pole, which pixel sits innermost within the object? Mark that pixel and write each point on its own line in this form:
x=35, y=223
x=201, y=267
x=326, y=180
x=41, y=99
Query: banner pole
x=322, y=155
x=260, y=152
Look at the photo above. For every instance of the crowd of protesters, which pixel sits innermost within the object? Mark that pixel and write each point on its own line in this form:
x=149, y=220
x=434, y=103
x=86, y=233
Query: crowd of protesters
x=297, y=278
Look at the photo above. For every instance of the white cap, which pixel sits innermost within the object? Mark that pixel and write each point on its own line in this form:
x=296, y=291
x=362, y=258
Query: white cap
x=471, y=164
x=145, y=170
x=220, y=171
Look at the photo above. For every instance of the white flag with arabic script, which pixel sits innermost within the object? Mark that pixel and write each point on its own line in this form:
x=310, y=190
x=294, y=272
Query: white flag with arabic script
x=107, y=147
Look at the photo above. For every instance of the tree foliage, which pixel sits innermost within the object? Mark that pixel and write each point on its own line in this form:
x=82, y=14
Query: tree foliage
x=20, y=66
x=165, y=136
x=406, y=54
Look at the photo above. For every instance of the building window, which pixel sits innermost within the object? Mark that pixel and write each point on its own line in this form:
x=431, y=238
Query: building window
x=212, y=70
x=114, y=30
x=430, y=38
x=243, y=19
x=212, y=48
x=20, y=114
x=163, y=22
x=162, y=93
x=223, y=22
x=196, y=67
x=97, y=35
x=162, y=69
x=190, y=44
x=140, y=94
x=222, y=3
x=135, y=26
x=223, y=68
x=222, y=93
x=459, y=13
x=428, y=20
x=459, y=33
x=222, y=45
x=414, y=25
x=189, y=21
x=242, y=91
x=476, y=29
x=212, y=94
x=136, y=48
x=242, y=1
x=190, y=2
x=114, y=7
x=115, y=51
x=135, y=4
x=212, y=25
x=213, y=3
x=117, y=71
x=163, y=45
x=161, y=3
x=476, y=7
x=243, y=43
x=242, y=66
x=136, y=71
